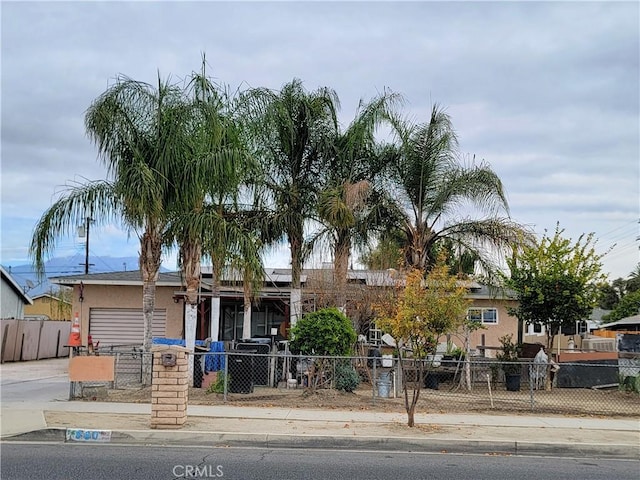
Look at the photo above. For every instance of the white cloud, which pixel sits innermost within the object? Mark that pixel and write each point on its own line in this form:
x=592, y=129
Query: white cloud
x=547, y=93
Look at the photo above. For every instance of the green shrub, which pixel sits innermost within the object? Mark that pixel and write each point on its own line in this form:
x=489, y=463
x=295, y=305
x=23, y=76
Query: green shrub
x=347, y=379
x=458, y=353
x=508, y=358
x=325, y=332
x=630, y=384
x=218, y=385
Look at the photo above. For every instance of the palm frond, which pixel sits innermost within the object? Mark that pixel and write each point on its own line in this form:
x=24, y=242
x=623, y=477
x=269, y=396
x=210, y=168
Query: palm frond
x=98, y=201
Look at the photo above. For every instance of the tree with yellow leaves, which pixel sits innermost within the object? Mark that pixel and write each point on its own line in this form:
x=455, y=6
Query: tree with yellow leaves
x=424, y=309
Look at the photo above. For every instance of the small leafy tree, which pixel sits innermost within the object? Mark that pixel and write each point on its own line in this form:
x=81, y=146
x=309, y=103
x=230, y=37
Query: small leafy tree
x=556, y=282
x=425, y=309
x=627, y=307
x=325, y=332
x=608, y=296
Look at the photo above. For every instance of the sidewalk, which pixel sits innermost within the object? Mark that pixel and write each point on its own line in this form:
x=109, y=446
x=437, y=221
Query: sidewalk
x=225, y=425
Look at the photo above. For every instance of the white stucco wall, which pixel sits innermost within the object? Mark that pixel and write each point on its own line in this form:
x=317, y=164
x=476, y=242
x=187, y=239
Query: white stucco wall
x=11, y=304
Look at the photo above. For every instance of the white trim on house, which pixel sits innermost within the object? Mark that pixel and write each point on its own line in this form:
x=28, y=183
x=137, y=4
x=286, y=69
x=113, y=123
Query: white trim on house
x=531, y=327
x=487, y=315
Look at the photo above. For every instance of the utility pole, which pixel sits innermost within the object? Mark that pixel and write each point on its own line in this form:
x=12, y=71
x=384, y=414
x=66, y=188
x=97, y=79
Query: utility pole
x=86, y=250
x=83, y=230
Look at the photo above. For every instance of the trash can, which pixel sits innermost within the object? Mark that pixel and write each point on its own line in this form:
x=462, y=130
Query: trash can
x=384, y=388
x=260, y=363
x=432, y=381
x=374, y=355
x=240, y=371
x=384, y=383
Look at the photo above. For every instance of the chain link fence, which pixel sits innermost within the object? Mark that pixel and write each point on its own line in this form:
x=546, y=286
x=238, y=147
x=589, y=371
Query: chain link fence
x=474, y=385
x=128, y=371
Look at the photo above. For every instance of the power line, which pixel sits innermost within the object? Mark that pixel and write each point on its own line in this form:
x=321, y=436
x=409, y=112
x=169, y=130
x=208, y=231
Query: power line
x=632, y=222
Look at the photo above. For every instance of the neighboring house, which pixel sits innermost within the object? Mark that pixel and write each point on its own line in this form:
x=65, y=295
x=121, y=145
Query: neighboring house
x=569, y=338
x=625, y=332
x=595, y=319
x=48, y=307
x=490, y=308
x=111, y=306
x=12, y=297
x=628, y=324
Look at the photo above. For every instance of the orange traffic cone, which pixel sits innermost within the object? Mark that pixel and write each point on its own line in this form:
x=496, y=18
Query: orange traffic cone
x=75, y=340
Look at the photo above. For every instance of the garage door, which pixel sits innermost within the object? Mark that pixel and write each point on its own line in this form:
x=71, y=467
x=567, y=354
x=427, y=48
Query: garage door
x=123, y=326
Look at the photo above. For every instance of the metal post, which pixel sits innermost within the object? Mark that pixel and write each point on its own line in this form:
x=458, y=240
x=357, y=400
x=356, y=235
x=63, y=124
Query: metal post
x=531, y=386
x=272, y=360
x=226, y=375
x=373, y=380
x=71, y=384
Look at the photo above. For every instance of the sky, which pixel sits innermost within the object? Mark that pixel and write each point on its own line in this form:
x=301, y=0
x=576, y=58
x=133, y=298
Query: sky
x=546, y=93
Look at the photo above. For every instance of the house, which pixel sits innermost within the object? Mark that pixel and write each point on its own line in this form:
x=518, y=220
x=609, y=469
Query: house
x=490, y=308
x=110, y=306
x=12, y=297
x=628, y=324
x=48, y=307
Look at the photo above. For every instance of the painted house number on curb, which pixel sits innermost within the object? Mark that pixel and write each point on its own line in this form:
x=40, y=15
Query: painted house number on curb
x=82, y=435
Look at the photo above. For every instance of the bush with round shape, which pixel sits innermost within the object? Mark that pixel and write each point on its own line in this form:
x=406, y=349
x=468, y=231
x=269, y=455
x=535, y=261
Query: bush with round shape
x=324, y=332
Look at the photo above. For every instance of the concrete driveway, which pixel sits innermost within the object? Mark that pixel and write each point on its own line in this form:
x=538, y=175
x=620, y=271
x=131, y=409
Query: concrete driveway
x=34, y=381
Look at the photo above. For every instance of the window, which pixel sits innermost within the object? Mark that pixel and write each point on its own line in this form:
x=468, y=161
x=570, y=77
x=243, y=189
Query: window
x=487, y=316
x=535, y=329
x=375, y=335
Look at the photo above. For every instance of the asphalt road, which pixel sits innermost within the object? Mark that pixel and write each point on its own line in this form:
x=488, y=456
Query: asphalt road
x=102, y=462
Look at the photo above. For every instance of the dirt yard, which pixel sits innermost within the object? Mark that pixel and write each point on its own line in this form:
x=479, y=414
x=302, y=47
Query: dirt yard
x=575, y=402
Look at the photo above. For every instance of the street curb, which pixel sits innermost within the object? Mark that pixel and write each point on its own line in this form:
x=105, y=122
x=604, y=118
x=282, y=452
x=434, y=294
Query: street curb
x=327, y=442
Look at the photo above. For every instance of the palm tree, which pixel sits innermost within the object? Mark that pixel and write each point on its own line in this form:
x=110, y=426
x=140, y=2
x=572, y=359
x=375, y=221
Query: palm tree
x=136, y=128
x=434, y=197
x=291, y=132
x=632, y=283
x=348, y=207
x=205, y=212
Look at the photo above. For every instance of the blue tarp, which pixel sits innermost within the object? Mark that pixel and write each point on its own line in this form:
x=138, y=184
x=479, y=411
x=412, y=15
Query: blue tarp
x=212, y=363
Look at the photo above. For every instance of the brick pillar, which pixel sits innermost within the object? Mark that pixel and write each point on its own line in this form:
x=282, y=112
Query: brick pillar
x=169, y=388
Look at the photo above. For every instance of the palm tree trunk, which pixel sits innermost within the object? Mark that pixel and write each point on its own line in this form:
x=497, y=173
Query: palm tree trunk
x=214, y=327
x=191, y=256
x=340, y=268
x=248, y=294
x=295, y=244
x=150, y=250
x=246, y=320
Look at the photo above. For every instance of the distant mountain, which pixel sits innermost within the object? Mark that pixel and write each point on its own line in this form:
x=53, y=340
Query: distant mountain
x=26, y=277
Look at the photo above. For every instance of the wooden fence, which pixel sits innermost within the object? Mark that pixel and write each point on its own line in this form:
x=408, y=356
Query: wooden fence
x=33, y=339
